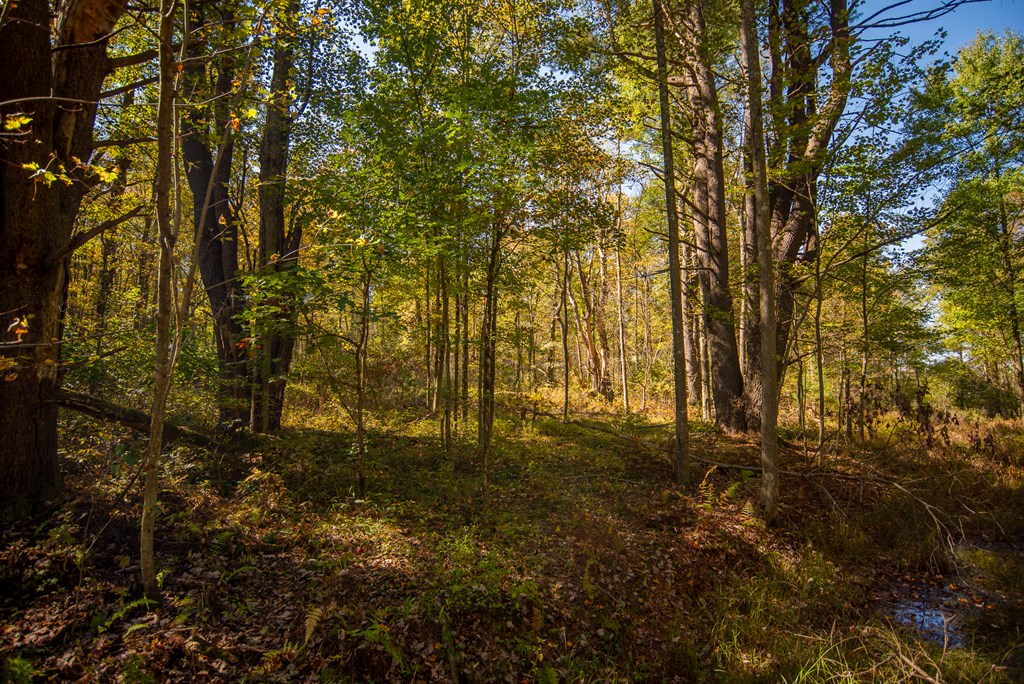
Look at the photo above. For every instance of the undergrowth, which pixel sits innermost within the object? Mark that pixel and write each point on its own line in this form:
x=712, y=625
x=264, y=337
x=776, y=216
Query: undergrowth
x=582, y=562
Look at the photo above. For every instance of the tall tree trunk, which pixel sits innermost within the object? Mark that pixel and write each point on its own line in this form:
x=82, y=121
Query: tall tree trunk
x=819, y=356
x=57, y=89
x=691, y=346
x=803, y=121
x=361, y=346
x=428, y=358
x=443, y=372
x=704, y=113
x=215, y=228
x=862, y=408
x=765, y=267
x=464, y=400
x=488, y=346
x=681, y=442
x=456, y=359
x=623, y=368
x=279, y=247
x=563, y=320
x=165, y=286
x=1007, y=235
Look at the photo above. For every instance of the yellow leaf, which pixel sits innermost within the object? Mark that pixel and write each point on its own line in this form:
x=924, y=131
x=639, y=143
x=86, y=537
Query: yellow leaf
x=13, y=122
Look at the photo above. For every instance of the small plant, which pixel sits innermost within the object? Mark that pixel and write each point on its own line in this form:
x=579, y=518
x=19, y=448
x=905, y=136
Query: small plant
x=17, y=671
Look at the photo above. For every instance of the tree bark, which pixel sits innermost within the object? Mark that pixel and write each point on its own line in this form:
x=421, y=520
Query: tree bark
x=803, y=120
x=704, y=113
x=215, y=228
x=766, y=298
x=57, y=90
x=165, y=286
x=279, y=247
x=488, y=347
x=681, y=442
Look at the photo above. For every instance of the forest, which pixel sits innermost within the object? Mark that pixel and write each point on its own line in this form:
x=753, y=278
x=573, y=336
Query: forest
x=511, y=340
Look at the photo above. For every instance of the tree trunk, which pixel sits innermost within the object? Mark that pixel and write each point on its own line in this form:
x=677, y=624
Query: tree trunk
x=691, y=341
x=681, y=442
x=803, y=121
x=862, y=408
x=165, y=287
x=563, y=320
x=765, y=267
x=704, y=113
x=361, y=345
x=488, y=346
x=623, y=368
x=279, y=247
x=215, y=229
x=36, y=219
x=819, y=357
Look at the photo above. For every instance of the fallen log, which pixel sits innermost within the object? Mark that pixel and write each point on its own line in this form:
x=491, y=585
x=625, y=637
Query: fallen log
x=101, y=409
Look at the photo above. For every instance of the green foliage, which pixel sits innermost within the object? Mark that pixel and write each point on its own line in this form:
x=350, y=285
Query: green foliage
x=17, y=670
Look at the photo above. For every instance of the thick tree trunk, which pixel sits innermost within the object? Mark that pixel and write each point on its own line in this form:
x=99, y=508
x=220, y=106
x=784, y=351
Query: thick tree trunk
x=769, y=496
x=803, y=119
x=36, y=220
x=704, y=113
x=279, y=247
x=30, y=230
x=215, y=229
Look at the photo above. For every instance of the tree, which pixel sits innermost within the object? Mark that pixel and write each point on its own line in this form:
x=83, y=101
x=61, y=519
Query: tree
x=758, y=196
x=681, y=440
x=48, y=111
x=208, y=146
x=968, y=130
x=165, y=355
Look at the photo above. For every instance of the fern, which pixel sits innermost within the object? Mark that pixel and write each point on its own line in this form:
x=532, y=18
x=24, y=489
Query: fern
x=147, y=602
x=313, y=618
x=706, y=490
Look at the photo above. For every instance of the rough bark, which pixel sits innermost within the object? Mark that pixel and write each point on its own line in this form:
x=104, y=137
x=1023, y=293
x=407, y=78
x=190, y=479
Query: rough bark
x=769, y=496
x=57, y=90
x=804, y=116
x=214, y=223
x=709, y=216
x=279, y=246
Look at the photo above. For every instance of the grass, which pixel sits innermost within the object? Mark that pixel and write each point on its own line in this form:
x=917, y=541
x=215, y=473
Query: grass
x=583, y=564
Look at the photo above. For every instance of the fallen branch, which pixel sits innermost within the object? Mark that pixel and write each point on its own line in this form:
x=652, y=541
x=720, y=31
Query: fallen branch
x=102, y=409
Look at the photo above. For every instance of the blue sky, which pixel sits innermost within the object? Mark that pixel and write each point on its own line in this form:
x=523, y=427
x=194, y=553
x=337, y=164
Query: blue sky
x=961, y=25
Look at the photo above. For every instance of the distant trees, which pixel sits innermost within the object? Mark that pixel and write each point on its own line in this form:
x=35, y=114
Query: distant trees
x=429, y=217
x=970, y=129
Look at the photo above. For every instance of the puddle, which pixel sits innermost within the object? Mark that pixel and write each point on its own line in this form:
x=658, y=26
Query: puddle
x=934, y=606
x=983, y=607
x=940, y=624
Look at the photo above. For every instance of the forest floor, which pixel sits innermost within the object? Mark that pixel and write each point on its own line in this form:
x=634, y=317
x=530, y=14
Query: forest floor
x=895, y=560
